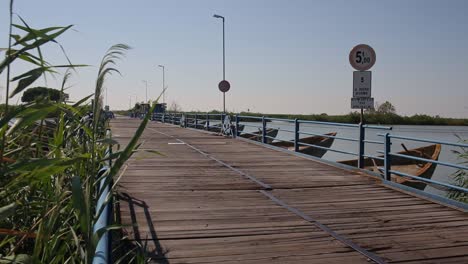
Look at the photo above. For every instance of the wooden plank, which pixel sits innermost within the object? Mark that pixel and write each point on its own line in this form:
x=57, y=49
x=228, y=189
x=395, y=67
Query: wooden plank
x=192, y=209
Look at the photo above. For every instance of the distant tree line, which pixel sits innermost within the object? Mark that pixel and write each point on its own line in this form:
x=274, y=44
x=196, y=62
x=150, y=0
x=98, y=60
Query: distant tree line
x=383, y=114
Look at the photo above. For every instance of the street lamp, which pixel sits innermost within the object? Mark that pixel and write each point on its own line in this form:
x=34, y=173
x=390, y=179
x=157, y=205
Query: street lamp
x=224, y=85
x=224, y=53
x=146, y=87
x=162, y=66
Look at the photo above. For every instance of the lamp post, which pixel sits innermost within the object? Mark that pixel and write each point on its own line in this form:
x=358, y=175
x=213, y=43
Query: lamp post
x=224, y=85
x=163, y=71
x=146, y=89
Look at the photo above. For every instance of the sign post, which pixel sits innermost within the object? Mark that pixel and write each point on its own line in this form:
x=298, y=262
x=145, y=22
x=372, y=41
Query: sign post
x=224, y=86
x=362, y=57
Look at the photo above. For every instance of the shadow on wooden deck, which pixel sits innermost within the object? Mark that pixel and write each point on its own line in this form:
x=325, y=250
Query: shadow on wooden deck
x=158, y=254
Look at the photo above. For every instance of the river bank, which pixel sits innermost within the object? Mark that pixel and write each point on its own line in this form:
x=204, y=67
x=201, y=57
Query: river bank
x=373, y=118
x=353, y=118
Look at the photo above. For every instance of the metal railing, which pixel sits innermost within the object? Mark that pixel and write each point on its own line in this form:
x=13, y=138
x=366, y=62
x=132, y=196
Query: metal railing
x=388, y=171
x=104, y=211
x=297, y=132
x=173, y=118
x=202, y=121
x=193, y=120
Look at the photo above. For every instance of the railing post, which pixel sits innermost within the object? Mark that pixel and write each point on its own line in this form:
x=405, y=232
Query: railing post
x=362, y=136
x=222, y=122
x=264, y=138
x=185, y=120
x=296, y=135
x=196, y=121
x=387, y=158
x=207, y=122
x=237, y=126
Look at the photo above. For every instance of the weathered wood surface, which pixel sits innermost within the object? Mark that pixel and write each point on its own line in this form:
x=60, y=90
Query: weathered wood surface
x=194, y=203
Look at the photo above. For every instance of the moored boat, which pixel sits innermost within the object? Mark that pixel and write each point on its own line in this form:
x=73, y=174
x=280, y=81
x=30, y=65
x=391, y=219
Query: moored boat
x=218, y=127
x=271, y=133
x=408, y=166
x=321, y=141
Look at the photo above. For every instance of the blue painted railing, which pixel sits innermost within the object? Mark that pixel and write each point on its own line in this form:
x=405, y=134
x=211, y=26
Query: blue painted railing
x=388, y=161
x=202, y=121
x=193, y=120
x=104, y=203
x=360, y=154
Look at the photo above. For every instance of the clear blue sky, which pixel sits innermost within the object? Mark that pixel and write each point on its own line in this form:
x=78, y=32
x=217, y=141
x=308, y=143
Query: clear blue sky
x=281, y=56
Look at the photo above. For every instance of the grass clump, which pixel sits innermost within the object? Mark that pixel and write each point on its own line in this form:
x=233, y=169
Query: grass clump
x=51, y=154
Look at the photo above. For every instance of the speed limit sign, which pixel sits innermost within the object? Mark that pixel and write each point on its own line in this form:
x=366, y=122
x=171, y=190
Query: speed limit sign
x=362, y=57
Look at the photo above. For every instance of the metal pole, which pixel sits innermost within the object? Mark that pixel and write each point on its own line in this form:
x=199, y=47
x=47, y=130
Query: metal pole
x=224, y=56
x=207, y=122
x=224, y=61
x=264, y=139
x=196, y=121
x=224, y=69
x=237, y=125
x=163, y=82
x=164, y=85
x=296, y=135
x=387, y=158
x=362, y=136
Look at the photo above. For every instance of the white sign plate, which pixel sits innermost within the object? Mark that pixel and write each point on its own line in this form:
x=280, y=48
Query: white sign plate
x=365, y=103
x=362, y=57
x=362, y=83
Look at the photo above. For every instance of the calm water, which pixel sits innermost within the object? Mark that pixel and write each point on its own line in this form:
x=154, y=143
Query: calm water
x=443, y=133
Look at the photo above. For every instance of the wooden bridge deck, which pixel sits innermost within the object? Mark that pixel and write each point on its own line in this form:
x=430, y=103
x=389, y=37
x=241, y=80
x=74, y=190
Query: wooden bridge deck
x=211, y=199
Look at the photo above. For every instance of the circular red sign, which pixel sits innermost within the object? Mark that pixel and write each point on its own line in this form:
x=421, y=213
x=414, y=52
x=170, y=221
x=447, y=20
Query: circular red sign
x=362, y=57
x=224, y=86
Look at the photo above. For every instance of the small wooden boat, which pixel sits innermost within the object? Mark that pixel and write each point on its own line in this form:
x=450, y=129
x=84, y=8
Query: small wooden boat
x=321, y=141
x=408, y=166
x=217, y=128
x=257, y=135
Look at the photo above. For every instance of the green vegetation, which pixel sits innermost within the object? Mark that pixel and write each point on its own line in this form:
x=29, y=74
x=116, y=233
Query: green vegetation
x=41, y=93
x=384, y=114
x=374, y=118
x=49, y=166
x=460, y=177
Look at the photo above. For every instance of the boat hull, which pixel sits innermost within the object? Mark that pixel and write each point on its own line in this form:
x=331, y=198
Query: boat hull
x=257, y=136
x=320, y=141
x=408, y=166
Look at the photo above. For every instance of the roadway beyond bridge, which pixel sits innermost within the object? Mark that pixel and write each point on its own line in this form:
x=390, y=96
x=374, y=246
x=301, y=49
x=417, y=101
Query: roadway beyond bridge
x=191, y=196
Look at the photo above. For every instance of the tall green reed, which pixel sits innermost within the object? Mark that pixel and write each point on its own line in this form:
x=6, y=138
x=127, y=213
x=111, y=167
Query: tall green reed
x=48, y=184
x=460, y=177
